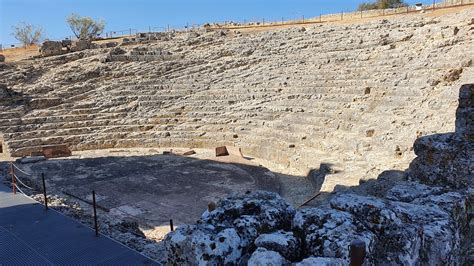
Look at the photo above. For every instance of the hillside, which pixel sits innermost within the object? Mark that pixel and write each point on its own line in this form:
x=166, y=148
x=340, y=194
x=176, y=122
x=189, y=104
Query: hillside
x=354, y=96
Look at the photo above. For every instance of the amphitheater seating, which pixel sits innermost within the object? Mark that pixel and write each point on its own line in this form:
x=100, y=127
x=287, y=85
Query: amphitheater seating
x=355, y=95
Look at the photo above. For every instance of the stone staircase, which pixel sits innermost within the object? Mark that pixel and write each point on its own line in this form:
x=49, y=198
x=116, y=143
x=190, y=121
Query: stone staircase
x=353, y=95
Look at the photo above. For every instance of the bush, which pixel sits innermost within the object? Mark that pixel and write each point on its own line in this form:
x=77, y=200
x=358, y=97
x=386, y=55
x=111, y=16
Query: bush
x=85, y=27
x=381, y=4
x=27, y=34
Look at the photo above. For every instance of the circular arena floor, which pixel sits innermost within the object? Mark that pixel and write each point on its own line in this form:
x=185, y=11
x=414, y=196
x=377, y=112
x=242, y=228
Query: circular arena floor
x=153, y=188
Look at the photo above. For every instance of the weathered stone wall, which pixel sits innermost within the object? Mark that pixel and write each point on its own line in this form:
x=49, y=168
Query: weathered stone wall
x=407, y=223
x=355, y=96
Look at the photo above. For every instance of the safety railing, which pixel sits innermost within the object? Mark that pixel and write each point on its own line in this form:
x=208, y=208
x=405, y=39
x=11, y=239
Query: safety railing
x=20, y=179
x=357, y=248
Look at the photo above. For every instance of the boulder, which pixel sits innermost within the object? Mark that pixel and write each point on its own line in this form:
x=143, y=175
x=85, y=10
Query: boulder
x=268, y=210
x=448, y=159
x=264, y=257
x=2, y=58
x=465, y=112
x=226, y=233
x=406, y=233
x=282, y=242
x=66, y=43
x=408, y=191
x=203, y=245
x=443, y=159
x=50, y=48
x=328, y=233
x=321, y=261
x=80, y=45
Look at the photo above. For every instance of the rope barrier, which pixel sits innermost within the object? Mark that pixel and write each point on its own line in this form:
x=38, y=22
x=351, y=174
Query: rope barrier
x=21, y=182
x=20, y=190
x=310, y=199
x=127, y=215
x=17, y=168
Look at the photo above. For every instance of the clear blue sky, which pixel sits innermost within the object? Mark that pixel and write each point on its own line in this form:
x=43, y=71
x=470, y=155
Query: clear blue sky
x=140, y=14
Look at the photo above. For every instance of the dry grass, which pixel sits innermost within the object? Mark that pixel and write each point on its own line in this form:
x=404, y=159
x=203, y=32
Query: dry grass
x=19, y=53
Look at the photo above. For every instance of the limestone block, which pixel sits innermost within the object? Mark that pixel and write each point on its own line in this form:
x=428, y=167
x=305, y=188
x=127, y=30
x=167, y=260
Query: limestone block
x=465, y=112
x=405, y=232
x=264, y=257
x=328, y=233
x=282, y=242
x=55, y=151
x=443, y=159
x=321, y=261
x=221, y=151
x=49, y=48
x=199, y=245
x=80, y=45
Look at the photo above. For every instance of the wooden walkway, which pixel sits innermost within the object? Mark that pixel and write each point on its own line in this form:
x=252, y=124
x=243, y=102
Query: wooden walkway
x=30, y=235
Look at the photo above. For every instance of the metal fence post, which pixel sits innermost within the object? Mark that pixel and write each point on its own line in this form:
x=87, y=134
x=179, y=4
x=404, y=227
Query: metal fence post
x=96, y=226
x=12, y=173
x=44, y=192
x=171, y=225
x=357, y=252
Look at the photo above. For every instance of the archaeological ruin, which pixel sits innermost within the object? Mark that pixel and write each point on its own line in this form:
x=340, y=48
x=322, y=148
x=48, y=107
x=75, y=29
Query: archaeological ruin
x=329, y=133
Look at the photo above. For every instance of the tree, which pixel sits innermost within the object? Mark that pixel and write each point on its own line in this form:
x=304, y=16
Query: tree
x=27, y=34
x=85, y=27
x=381, y=4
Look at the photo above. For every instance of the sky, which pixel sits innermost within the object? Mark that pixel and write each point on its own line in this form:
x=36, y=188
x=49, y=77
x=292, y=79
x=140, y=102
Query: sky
x=157, y=14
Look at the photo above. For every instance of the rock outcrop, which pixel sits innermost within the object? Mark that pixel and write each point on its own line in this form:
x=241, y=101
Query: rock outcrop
x=410, y=223
x=50, y=48
x=356, y=96
x=448, y=159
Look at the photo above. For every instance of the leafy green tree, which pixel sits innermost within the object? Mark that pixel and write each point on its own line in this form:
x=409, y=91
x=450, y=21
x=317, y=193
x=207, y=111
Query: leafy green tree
x=85, y=27
x=27, y=34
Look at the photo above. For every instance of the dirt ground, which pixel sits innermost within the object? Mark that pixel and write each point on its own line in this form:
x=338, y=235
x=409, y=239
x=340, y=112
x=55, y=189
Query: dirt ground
x=148, y=186
x=19, y=53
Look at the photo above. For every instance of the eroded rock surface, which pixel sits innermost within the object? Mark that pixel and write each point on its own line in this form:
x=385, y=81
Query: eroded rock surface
x=427, y=230
x=350, y=95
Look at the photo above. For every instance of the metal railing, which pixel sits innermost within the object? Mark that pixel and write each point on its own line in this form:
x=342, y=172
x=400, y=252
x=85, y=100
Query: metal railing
x=18, y=184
